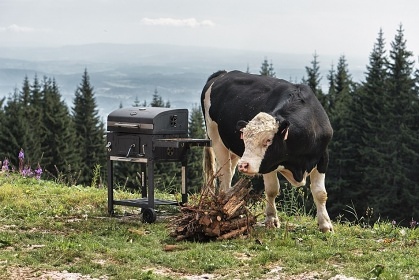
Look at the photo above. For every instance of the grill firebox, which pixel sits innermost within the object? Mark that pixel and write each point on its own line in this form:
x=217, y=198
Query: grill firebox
x=145, y=136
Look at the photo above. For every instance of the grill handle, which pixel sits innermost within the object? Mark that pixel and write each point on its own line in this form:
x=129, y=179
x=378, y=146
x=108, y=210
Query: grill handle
x=127, y=125
x=129, y=150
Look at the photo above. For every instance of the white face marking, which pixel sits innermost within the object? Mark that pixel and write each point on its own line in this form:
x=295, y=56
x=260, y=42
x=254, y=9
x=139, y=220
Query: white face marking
x=257, y=136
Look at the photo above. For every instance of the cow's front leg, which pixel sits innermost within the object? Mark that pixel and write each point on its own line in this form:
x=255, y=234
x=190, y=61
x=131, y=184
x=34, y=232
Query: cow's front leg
x=318, y=190
x=224, y=165
x=271, y=183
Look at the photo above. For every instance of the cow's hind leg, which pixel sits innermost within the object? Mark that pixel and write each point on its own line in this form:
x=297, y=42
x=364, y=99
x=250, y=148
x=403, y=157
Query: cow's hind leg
x=318, y=190
x=271, y=183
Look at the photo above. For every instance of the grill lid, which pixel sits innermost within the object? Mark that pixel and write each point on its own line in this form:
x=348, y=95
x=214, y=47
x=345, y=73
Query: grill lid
x=149, y=120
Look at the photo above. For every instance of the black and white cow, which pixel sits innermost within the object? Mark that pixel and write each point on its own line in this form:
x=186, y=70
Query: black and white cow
x=267, y=125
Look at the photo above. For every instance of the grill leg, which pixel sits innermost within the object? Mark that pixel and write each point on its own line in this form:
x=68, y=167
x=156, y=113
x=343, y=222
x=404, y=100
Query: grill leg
x=143, y=180
x=150, y=179
x=110, y=187
x=184, y=190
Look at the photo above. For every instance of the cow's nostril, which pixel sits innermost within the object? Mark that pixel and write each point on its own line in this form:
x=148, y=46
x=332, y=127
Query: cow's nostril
x=243, y=166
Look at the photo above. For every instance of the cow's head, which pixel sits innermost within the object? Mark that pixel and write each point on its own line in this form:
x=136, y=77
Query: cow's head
x=258, y=134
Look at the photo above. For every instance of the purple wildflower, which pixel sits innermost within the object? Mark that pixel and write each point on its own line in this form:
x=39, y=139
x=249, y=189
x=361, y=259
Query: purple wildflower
x=21, y=154
x=413, y=224
x=5, y=166
x=27, y=172
x=21, y=157
x=38, y=172
x=394, y=223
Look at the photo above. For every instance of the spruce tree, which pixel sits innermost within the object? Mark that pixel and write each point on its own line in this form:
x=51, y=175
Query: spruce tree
x=59, y=159
x=397, y=199
x=157, y=100
x=25, y=93
x=33, y=115
x=136, y=103
x=89, y=130
x=314, y=78
x=195, y=157
x=267, y=69
x=372, y=99
x=331, y=93
x=14, y=129
x=344, y=146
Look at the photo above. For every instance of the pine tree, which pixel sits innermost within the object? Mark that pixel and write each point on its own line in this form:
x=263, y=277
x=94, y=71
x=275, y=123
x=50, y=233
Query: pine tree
x=371, y=101
x=401, y=139
x=136, y=102
x=344, y=146
x=331, y=94
x=33, y=115
x=157, y=100
x=267, y=69
x=90, y=141
x=196, y=130
x=25, y=94
x=58, y=143
x=14, y=130
x=314, y=79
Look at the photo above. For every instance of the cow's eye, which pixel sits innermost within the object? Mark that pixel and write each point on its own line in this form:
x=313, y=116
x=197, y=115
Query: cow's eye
x=267, y=142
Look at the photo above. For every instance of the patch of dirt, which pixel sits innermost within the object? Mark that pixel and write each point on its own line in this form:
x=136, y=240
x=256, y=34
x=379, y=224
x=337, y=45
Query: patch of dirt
x=32, y=274
x=274, y=274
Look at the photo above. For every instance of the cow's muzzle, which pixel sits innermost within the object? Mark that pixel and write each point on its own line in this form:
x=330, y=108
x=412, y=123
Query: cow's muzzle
x=244, y=167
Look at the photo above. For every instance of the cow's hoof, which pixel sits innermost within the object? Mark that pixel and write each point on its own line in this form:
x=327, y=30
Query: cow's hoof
x=326, y=228
x=272, y=222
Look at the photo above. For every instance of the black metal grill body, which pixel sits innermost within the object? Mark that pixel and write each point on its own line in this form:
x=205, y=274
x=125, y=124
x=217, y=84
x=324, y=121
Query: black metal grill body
x=145, y=136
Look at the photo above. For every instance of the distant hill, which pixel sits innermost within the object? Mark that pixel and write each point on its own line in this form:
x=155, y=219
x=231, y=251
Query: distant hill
x=121, y=73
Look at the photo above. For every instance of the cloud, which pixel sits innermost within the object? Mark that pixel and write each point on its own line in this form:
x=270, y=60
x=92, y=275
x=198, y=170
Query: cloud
x=14, y=28
x=187, y=22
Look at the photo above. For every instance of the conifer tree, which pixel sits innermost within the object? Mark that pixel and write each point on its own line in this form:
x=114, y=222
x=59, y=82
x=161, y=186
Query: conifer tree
x=401, y=137
x=331, y=94
x=25, y=94
x=196, y=130
x=33, y=115
x=14, y=130
x=90, y=141
x=58, y=146
x=157, y=100
x=371, y=102
x=314, y=78
x=343, y=147
x=136, y=102
x=267, y=69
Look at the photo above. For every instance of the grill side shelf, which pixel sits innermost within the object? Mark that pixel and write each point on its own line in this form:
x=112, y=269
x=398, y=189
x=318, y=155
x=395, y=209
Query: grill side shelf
x=181, y=142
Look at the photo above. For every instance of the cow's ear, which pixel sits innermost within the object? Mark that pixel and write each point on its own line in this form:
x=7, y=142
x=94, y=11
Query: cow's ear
x=283, y=126
x=240, y=125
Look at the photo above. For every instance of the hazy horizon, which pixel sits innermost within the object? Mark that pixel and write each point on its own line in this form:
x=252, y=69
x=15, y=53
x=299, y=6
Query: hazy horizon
x=328, y=27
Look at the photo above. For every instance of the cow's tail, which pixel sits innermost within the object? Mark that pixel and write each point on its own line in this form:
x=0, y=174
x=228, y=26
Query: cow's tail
x=209, y=166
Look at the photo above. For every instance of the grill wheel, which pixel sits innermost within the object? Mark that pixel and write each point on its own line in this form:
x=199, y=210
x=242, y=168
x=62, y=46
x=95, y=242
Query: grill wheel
x=149, y=215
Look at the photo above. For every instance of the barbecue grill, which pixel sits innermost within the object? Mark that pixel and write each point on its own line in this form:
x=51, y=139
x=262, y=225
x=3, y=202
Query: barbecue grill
x=145, y=136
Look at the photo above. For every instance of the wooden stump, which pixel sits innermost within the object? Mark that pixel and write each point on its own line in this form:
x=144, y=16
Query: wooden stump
x=219, y=217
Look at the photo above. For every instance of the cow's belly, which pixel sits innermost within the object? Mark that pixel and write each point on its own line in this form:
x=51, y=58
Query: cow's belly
x=290, y=177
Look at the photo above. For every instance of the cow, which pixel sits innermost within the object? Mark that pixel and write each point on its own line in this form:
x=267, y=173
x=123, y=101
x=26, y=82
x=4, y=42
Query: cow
x=264, y=125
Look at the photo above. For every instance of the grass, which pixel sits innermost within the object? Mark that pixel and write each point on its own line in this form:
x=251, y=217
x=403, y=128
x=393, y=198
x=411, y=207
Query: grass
x=46, y=227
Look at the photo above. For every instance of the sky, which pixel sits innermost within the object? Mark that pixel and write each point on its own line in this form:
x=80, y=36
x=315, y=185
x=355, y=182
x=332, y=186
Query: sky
x=332, y=27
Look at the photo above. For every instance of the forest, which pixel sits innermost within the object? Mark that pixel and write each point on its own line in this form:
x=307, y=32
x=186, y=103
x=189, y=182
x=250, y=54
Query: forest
x=374, y=153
